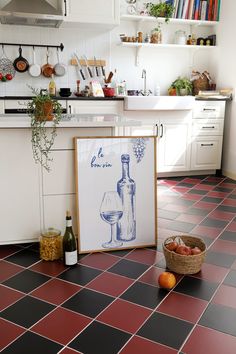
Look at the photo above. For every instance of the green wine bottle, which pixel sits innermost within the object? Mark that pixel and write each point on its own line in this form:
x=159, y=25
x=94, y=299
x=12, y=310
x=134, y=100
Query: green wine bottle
x=69, y=243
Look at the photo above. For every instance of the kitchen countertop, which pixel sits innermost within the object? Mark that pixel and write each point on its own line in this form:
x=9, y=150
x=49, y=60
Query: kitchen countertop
x=73, y=97
x=70, y=121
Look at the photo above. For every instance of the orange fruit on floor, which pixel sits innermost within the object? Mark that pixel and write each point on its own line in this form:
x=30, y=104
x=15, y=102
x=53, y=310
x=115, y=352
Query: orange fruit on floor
x=166, y=280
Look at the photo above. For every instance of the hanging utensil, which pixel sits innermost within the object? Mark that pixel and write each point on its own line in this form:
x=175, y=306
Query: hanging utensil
x=21, y=64
x=59, y=68
x=34, y=69
x=87, y=66
x=79, y=66
x=96, y=67
x=7, y=70
x=47, y=69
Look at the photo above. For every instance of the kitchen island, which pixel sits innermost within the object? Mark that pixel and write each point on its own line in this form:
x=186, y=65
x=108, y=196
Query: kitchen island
x=31, y=198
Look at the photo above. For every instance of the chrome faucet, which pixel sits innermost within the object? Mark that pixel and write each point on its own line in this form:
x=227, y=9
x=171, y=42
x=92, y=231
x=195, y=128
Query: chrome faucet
x=145, y=92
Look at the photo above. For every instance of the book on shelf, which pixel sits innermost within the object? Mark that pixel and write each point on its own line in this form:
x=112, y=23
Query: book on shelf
x=180, y=8
x=203, y=10
x=196, y=10
x=185, y=9
x=190, y=11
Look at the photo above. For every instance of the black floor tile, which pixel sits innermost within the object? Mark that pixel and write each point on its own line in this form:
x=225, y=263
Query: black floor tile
x=128, y=268
x=120, y=253
x=144, y=294
x=198, y=191
x=27, y=311
x=161, y=263
x=213, y=200
x=180, y=226
x=166, y=330
x=232, y=196
x=80, y=274
x=185, y=184
x=211, y=183
x=227, y=208
x=214, y=223
x=229, y=180
x=231, y=278
x=195, y=287
x=197, y=211
x=228, y=235
x=166, y=214
x=88, y=302
x=26, y=281
x=24, y=258
x=99, y=338
x=220, y=259
x=184, y=202
x=180, y=178
x=31, y=343
x=220, y=318
x=222, y=189
x=207, y=240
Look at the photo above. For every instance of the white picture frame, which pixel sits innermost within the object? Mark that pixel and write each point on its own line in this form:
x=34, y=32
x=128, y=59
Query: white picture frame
x=116, y=195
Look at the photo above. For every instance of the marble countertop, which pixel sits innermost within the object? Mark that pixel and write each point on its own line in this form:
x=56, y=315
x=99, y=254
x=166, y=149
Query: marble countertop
x=70, y=121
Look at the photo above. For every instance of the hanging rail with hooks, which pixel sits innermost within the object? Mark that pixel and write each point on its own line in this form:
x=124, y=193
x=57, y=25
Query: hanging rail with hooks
x=61, y=46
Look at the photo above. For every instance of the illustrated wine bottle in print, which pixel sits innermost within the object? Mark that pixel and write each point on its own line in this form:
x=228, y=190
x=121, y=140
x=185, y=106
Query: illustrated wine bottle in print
x=70, y=253
x=126, y=227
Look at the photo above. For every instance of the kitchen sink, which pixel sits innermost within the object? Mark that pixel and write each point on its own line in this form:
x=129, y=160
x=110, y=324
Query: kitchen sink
x=135, y=103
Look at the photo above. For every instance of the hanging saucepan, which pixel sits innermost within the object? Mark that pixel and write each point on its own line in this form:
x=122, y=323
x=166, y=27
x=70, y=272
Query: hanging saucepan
x=47, y=69
x=59, y=68
x=21, y=64
x=34, y=69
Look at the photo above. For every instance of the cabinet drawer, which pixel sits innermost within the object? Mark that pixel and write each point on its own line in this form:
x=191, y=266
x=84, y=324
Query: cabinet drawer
x=95, y=107
x=207, y=127
x=209, y=109
x=206, y=153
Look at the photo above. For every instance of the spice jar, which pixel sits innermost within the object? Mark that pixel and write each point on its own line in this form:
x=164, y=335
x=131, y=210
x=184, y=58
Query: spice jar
x=156, y=36
x=50, y=244
x=180, y=37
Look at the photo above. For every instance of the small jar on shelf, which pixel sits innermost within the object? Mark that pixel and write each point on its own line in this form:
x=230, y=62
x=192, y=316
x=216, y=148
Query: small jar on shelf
x=156, y=35
x=50, y=244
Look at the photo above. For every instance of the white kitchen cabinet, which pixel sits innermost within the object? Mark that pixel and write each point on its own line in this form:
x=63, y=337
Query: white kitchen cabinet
x=95, y=107
x=19, y=188
x=206, y=153
x=102, y=12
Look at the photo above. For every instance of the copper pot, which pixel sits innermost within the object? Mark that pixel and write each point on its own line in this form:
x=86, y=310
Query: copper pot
x=47, y=69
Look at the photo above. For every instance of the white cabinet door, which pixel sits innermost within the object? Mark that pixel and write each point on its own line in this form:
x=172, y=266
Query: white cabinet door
x=206, y=153
x=95, y=107
x=174, y=145
x=19, y=188
x=144, y=130
x=93, y=12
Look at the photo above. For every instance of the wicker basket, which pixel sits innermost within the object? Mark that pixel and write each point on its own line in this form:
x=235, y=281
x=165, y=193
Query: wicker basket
x=200, y=84
x=182, y=264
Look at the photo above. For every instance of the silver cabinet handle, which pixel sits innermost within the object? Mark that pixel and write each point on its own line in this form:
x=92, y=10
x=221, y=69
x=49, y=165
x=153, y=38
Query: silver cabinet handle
x=161, y=134
x=208, y=127
x=209, y=109
x=69, y=109
x=65, y=14
x=207, y=144
x=156, y=130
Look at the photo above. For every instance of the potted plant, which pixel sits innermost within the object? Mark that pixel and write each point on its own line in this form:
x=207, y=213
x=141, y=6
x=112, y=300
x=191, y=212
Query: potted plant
x=182, y=85
x=162, y=9
x=42, y=108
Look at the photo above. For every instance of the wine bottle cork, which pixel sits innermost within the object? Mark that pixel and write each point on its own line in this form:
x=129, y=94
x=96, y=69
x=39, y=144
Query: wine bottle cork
x=68, y=213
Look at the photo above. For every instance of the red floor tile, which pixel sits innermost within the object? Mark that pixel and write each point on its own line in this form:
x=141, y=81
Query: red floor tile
x=175, y=207
x=217, y=194
x=209, y=341
x=9, y=332
x=69, y=351
x=111, y=284
x=8, y=250
x=205, y=205
x=225, y=295
x=56, y=291
x=227, y=185
x=192, y=196
x=230, y=202
x=101, y=261
x=163, y=223
x=212, y=273
x=8, y=297
x=139, y=345
x=224, y=246
x=211, y=232
x=204, y=187
x=222, y=215
x=49, y=268
x=167, y=182
x=8, y=270
x=193, y=219
x=231, y=226
x=180, y=190
x=184, y=307
x=192, y=180
x=143, y=256
x=61, y=325
x=124, y=315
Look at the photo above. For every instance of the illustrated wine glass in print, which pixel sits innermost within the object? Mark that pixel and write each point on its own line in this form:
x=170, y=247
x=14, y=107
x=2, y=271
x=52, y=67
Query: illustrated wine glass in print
x=111, y=211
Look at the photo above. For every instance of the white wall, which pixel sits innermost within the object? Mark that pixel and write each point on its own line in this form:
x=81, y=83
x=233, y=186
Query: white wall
x=226, y=77
x=162, y=65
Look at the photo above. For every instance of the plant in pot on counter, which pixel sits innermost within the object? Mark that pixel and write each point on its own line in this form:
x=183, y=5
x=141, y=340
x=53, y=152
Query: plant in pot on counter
x=162, y=9
x=182, y=86
x=41, y=109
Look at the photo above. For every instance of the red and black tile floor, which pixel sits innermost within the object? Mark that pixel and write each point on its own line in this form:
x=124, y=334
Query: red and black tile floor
x=110, y=302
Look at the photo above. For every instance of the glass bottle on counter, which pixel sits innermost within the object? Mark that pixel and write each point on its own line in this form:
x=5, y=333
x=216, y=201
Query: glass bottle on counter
x=126, y=227
x=70, y=254
x=52, y=87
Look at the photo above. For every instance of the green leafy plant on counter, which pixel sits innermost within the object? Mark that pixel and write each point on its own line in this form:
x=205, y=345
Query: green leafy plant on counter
x=41, y=109
x=162, y=9
x=182, y=85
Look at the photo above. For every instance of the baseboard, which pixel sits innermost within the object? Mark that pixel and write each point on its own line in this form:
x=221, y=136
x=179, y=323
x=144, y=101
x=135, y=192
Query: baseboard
x=186, y=173
x=229, y=174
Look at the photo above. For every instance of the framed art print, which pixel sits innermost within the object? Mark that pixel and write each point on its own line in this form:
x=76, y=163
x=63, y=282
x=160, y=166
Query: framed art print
x=115, y=192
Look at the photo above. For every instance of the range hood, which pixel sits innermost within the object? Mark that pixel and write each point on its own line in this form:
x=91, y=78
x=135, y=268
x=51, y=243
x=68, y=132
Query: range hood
x=43, y=13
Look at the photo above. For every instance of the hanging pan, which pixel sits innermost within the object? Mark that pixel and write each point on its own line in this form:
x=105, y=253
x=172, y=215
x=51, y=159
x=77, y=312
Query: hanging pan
x=47, y=69
x=21, y=64
x=59, y=68
x=34, y=69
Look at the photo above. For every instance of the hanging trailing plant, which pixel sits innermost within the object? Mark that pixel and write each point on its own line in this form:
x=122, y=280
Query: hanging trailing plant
x=162, y=9
x=41, y=109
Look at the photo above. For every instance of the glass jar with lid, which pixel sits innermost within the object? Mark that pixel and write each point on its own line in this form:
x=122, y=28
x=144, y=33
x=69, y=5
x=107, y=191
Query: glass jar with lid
x=50, y=244
x=180, y=37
